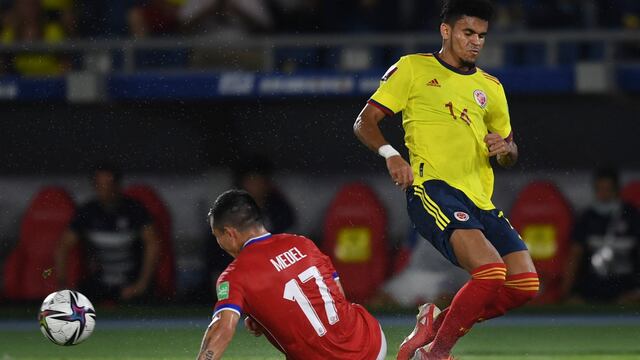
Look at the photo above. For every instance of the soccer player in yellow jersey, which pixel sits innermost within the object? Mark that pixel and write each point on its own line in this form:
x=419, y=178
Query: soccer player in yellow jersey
x=455, y=118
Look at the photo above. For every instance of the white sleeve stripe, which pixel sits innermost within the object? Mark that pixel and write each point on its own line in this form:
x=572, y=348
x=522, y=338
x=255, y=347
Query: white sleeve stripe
x=228, y=309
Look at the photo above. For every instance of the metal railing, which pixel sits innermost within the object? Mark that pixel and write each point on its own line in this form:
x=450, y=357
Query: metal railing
x=265, y=46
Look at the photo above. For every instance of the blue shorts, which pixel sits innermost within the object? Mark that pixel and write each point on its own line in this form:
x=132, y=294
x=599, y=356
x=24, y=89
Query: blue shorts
x=437, y=209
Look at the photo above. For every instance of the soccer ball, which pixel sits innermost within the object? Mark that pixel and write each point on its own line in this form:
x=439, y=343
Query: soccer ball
x=67, y=317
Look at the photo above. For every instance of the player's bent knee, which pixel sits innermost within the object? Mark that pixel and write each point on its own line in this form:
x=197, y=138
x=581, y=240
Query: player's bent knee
x=522, y=287
x=493, y=275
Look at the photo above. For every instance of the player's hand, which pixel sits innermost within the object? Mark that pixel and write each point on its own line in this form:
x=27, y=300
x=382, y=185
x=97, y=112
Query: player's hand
x=133, y=291
x=253, y=326
x=400, y=172
x=497, y=145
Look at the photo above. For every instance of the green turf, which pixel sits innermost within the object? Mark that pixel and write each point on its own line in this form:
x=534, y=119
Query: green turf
x=484, y=343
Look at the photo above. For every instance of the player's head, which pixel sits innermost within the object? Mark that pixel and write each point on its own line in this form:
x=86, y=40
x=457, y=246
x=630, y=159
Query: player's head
x=464, y=26
x=233, y=217
x=606, y=185
x=106, y=181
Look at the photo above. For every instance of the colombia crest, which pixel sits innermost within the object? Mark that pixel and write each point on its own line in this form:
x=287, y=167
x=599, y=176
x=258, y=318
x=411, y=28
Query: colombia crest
x=481, y=98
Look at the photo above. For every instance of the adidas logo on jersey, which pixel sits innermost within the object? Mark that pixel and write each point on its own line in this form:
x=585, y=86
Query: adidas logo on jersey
x=433, y=82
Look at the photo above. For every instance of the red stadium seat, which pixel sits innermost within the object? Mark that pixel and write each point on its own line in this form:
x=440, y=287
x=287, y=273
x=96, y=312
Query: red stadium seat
x=165, y=273
x=631, y=193
x=29, y=269
x=355, y=238
x=544, y=219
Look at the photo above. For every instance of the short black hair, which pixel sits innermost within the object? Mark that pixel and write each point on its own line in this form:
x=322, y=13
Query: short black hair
x=608, y=173
x=110, y=167
x=235, y=208
x=453, y=10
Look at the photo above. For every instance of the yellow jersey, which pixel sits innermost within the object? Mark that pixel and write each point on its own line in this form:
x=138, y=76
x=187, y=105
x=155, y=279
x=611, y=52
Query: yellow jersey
x=446, y=113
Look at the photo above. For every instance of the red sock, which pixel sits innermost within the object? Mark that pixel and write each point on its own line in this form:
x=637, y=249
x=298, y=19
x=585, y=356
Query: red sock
x=468, y=305
x=517, y=291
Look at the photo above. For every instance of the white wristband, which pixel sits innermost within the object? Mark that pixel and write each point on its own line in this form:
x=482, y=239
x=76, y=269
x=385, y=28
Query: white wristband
x=387, y=151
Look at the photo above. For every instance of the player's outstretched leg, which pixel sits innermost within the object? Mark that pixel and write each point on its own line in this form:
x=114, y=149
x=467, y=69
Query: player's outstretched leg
x=423, y=333
x=468, y=306
x=518, y=290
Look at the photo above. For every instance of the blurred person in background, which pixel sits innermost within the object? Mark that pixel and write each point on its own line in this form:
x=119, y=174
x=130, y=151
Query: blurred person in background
x=604, y=264
x=119, y=240
x=104, y=18
x=227, y=21
x=254, y=174
x=49, y=21
x=155, y=18
x=226, y=17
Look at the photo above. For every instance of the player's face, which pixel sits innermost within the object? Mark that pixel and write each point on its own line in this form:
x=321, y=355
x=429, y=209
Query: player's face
x=605, y=190
x=466, y=37
x=105, y=185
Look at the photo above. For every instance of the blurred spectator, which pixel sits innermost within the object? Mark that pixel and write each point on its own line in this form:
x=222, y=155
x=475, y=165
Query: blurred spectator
x=103, y=18
x=605, y=260
x=226, y=17
x=254, y=176
x=37, y=20
x=120, y=242
x=227, y=21
x=156, y=17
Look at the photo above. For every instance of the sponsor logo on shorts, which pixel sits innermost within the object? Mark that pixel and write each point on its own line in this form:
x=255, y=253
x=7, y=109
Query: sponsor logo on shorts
x=461, y=216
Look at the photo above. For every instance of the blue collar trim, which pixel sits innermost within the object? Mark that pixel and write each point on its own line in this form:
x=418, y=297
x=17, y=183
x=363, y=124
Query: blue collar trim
x=256, y=239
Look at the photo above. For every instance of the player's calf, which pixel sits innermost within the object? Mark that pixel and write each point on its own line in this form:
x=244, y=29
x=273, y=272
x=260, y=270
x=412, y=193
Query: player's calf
x=468, y=306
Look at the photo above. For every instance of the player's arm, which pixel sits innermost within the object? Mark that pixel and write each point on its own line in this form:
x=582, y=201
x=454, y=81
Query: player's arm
x=150, y=258
x=218, y=335
x=68, y=241
x=505, y=150
x=367, y=130
x=500, y=140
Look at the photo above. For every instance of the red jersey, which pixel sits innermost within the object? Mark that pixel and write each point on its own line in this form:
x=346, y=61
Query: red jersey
x=287, y=285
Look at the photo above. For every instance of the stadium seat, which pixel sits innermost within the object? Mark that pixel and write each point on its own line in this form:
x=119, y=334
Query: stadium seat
x=631, y=193
x=355, y=238
x=165, y=273
x=29, y=269
x=544, y=219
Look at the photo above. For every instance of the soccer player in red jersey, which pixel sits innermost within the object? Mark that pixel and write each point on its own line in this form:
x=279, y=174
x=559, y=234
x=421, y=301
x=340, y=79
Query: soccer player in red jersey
x=288, y=289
